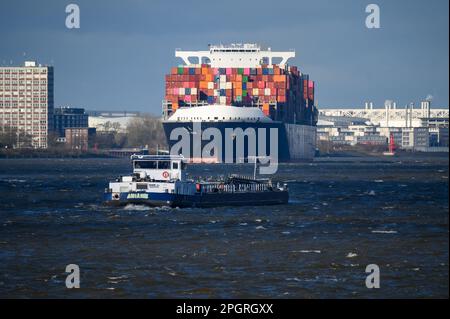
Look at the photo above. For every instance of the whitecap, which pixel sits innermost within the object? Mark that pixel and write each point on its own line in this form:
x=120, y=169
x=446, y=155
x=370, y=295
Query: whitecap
x=384, y=231
x=136, y=207
x=13, y=180
x=304, y=251
x=163, y=208
x=351, y=255
x=118, y=277
x=260, y=227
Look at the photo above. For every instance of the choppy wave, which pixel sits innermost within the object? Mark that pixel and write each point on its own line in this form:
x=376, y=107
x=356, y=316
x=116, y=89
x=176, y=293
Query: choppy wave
x=384, y=231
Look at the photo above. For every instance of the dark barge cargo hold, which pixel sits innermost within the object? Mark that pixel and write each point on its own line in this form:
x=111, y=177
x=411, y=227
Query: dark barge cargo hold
x=241, y=87
x=161, y=181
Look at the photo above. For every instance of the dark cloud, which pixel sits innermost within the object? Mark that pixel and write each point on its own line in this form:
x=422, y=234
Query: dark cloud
x=118, y=58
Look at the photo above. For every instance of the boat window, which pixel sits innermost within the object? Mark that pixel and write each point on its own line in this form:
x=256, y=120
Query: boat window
x=163, y=164
x=145, y=164
x=175, y=165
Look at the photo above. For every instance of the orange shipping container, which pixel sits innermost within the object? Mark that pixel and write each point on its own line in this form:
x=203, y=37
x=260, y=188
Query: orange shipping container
x=266, y=109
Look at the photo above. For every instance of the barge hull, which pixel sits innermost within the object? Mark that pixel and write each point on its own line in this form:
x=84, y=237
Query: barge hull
x=200, y=200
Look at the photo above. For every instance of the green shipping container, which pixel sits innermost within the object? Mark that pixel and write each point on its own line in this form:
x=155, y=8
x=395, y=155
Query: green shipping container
x=238, y=98
x=244, y=78
x=180, y=70
x=244, y=92
x=240, y=71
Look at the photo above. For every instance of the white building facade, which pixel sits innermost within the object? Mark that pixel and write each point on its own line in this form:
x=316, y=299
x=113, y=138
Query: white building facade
x=26, y=103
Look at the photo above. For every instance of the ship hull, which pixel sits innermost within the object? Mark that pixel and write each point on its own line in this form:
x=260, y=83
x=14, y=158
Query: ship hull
x=200, y=200
x=294, y=142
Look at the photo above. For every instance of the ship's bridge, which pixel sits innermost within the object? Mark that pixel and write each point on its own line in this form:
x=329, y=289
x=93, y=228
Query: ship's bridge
x=219, y=113
x=158, y=167
x=247, y=55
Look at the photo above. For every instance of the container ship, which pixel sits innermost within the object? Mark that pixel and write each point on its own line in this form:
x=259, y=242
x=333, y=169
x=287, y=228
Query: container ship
x=239, y=88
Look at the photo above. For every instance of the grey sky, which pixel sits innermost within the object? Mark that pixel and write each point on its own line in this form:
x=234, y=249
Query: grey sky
x=118, y=58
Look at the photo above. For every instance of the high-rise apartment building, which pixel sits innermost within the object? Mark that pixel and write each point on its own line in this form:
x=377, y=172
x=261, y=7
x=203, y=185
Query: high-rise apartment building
x=26, y=103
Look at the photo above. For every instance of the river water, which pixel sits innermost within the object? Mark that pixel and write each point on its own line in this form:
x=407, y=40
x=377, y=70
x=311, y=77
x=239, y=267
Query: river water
x=343, y=214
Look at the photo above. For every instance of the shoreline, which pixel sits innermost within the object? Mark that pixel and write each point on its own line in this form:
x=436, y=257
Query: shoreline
x=50, y=154
x=341, y=157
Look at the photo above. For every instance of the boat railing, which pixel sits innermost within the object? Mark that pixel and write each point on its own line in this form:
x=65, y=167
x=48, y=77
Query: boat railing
x=217, y=187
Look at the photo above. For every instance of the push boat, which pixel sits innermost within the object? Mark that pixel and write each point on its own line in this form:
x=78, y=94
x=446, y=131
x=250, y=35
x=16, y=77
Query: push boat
x=161, y=180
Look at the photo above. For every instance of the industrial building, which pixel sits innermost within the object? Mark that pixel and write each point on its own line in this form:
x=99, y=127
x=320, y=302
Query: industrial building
x=105, y=121
x=26, y=103
x=423, y=129
x=391, y=115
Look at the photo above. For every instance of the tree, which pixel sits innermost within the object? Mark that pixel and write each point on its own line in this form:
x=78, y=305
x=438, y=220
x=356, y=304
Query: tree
x=146, y=131
x=8, y=137
x=13, y=138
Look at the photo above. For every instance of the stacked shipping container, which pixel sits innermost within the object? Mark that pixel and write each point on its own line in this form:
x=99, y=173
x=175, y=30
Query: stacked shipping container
x=284, y=94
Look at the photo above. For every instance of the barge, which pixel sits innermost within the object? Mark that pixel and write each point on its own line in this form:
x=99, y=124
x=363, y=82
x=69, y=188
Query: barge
x=161, y=180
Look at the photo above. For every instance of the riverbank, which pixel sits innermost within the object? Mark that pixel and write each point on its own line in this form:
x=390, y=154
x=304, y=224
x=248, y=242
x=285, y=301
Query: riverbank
x=51, y=153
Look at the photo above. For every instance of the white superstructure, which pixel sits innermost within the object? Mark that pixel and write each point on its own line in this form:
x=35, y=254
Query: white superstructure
x=219, y=113
x=247, y=55
x=151, y=173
